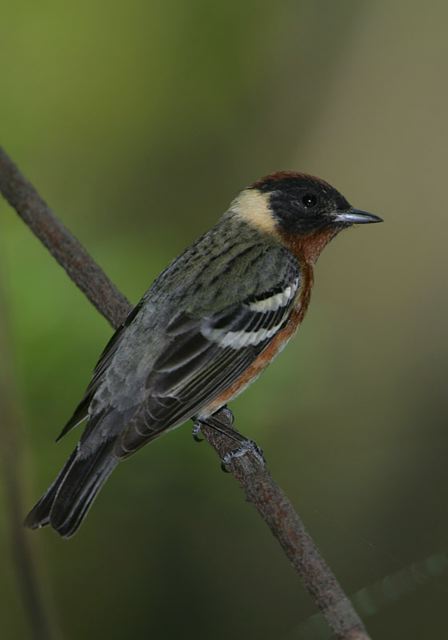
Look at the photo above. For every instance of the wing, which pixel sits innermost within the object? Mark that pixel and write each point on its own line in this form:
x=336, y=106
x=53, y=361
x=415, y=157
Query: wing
x=204, y=356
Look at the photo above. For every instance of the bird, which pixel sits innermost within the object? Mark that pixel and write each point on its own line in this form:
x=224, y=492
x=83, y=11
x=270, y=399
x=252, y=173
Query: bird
x=206, y=328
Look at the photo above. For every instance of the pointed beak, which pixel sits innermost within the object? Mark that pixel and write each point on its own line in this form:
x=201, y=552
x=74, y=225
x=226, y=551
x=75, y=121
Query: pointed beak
x=356, y=216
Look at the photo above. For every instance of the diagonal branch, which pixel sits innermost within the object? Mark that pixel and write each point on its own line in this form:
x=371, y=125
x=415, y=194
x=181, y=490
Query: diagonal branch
x=256, y=481
x=62, y=245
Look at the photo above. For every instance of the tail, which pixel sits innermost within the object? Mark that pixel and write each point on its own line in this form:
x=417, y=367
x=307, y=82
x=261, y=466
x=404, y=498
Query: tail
x=66, y=503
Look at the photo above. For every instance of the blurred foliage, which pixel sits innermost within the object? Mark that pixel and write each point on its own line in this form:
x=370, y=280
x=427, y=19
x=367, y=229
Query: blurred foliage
x=138, y=122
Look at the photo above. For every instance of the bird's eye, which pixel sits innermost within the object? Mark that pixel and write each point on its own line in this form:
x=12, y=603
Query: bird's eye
x=309, y=200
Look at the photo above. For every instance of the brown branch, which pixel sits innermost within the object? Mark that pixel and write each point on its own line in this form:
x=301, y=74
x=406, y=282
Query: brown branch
x=255, y=479
x=62, y=245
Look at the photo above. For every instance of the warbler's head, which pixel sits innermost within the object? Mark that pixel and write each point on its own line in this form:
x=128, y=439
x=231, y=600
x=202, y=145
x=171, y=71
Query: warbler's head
x=298, y=206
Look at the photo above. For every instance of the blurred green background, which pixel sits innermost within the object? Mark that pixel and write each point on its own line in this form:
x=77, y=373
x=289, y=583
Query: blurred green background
x=139, y=122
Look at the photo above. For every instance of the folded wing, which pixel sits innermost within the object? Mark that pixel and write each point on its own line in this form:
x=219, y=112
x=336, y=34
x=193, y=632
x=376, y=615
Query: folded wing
x=204, y=357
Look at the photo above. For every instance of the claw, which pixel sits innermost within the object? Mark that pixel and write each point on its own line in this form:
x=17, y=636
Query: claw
x=227, y=415
x=196, y=432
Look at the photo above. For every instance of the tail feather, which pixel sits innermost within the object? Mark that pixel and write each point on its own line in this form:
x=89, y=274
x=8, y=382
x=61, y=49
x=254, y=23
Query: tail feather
x=39, y=516
x=65, y=504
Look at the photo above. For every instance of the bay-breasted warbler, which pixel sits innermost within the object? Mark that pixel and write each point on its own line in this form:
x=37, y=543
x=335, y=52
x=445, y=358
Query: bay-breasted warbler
x=206, y=328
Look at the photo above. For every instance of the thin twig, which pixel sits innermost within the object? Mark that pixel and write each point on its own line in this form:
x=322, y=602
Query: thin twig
x=62, y=245
x=260, y=489
x=375, y=597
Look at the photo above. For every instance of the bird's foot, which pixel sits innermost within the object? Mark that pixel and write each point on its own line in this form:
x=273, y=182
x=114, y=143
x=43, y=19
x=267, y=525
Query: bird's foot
x=226, y=416
x=196, y=431
x=247, y=447
x=222, y=422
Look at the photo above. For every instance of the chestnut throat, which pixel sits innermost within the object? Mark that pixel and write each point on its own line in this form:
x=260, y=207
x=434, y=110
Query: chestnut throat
x=307, y=248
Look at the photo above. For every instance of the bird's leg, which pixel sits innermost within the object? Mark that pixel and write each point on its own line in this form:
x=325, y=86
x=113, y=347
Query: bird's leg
x=222, y=421
x=222, y=416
